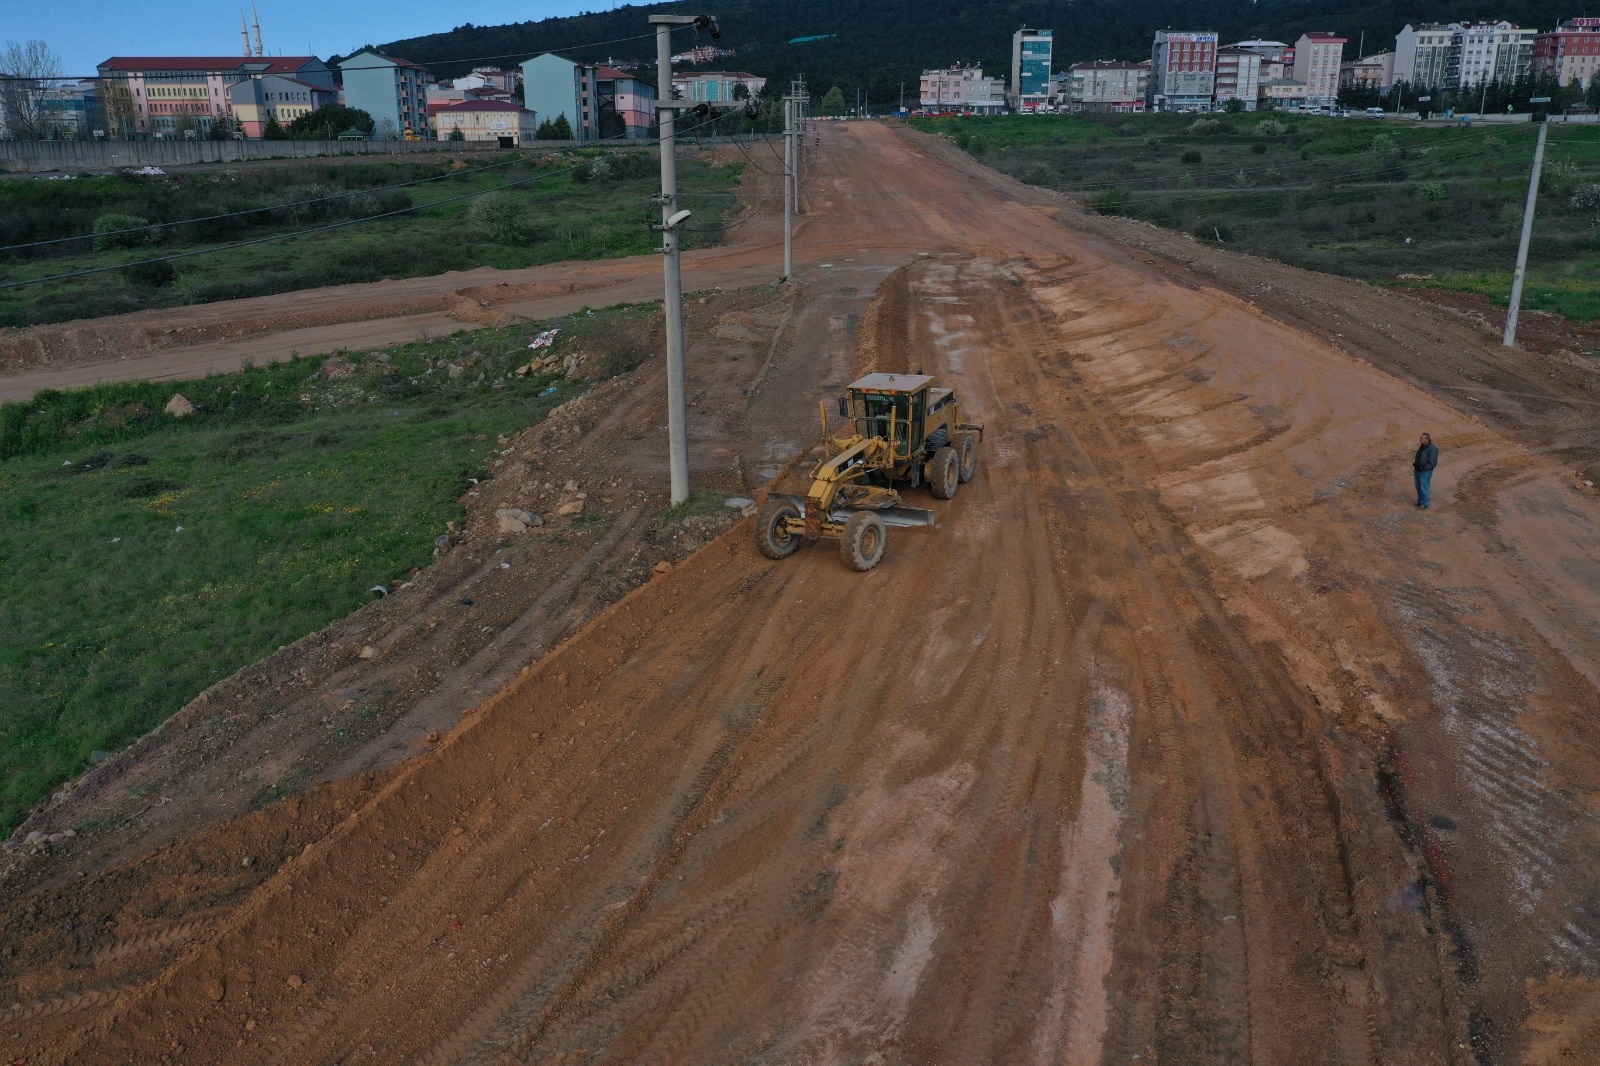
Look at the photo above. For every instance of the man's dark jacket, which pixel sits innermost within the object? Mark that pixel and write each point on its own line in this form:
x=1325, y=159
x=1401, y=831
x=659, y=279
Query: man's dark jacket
x=1427, y=457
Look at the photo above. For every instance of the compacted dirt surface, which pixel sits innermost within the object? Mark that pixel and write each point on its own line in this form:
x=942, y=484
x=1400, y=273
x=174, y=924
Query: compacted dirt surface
x=1184, y=738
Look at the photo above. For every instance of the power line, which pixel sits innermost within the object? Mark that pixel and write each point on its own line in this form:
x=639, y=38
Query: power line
x=284, y=206
x=304, y=232
x=250, y=211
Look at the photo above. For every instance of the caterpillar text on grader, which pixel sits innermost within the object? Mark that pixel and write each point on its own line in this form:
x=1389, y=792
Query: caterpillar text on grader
x=900, y=430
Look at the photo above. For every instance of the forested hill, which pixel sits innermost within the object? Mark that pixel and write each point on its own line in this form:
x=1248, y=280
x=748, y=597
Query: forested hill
x=883, y=43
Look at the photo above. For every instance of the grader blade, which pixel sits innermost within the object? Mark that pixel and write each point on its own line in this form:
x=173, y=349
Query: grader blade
x=906, y=517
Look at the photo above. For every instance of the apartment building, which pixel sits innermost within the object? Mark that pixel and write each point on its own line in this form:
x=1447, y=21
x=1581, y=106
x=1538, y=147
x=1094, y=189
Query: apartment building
x=1316, y=66
x=554, y=85
x=1422, y=55
x=632, y=99
x=961, y=89
x=256, y=102
x=1485, y=53
x=1569, y=53
x=1032, y=52
x=1369, y=72
x=1238, y=76
x=717, y=86
x=1183, y=71
x=393, y=91
x=1107, y=86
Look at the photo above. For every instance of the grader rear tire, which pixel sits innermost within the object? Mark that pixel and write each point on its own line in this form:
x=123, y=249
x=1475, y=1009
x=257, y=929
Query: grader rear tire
x=771, y=539
x=944, y=473
x=863, y=541
x=967, y=447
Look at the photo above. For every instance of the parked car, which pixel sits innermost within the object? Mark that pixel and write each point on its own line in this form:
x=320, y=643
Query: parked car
x=1376, y=112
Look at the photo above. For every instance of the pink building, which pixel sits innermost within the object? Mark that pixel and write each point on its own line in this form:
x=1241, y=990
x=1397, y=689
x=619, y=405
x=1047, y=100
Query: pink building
x=630, y=98
x=158, y=94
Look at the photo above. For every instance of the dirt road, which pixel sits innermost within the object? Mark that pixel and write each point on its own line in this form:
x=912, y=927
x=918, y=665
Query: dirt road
x=1186, y=738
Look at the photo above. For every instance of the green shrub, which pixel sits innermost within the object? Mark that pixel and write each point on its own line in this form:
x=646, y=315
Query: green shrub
x=1557, y=176
x=1206, y=126
x=1037, y=174
x=107, y=236
x=1111, y=202
x=1586, y=197
x=1269, y=127
x=1258, y=148
x=1432, y=191
x=1192, y=156
x=501, y=216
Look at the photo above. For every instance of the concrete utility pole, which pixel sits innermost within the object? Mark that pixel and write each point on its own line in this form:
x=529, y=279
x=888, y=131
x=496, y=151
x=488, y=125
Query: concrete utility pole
x=672, y=268
x=1510, y=340
x=789, y=186
x=792, y=112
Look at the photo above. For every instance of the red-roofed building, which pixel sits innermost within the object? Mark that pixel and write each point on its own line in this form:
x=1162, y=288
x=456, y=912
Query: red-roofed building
x=166, y=95
x=483, y=120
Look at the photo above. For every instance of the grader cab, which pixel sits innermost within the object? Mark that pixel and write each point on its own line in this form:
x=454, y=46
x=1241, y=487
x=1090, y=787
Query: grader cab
x=900, y=430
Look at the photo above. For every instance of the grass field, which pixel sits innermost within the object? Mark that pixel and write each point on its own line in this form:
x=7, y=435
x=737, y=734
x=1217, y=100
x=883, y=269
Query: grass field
x=147, y=558
x=569, y=206
x=1370, y=198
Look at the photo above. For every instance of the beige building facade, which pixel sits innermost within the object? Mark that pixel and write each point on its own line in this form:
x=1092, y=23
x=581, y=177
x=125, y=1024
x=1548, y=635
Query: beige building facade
x=1317, y=57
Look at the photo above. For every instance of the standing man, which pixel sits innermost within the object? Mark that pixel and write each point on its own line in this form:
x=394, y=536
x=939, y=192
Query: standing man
x=1422, y=469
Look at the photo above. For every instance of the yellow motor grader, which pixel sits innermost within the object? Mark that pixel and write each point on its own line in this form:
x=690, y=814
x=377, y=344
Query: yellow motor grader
x=899, y=430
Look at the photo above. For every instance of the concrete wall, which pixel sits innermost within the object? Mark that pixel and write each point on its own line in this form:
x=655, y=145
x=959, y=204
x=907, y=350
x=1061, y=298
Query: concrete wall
x=38, y=156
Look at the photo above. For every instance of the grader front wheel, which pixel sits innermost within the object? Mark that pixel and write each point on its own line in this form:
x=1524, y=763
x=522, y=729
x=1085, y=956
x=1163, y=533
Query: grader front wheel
x=772, y=539
x=863, y=541
x=967, y=446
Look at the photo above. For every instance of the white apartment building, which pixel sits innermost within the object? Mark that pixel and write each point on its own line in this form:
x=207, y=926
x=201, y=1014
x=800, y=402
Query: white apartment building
x=1422, y=55
x=1487, y=52
x=1238, y=76
x=1369, y=72
x=1316, y=65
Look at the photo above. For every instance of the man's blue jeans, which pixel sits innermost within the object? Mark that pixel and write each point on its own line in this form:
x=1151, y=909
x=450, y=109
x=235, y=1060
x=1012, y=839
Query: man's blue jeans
x=1423, y=477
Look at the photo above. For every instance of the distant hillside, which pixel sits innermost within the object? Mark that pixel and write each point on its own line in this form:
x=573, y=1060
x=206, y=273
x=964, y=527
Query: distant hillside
x=885, y=43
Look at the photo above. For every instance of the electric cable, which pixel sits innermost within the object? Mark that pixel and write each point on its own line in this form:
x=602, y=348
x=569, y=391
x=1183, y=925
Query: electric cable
x=297, y=203
x=308, y=230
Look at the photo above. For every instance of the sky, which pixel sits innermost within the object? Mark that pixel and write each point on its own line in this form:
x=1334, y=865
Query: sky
x=84, y=33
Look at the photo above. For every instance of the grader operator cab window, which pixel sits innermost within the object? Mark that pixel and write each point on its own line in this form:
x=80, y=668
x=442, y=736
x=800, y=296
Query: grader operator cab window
x=872, y=416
